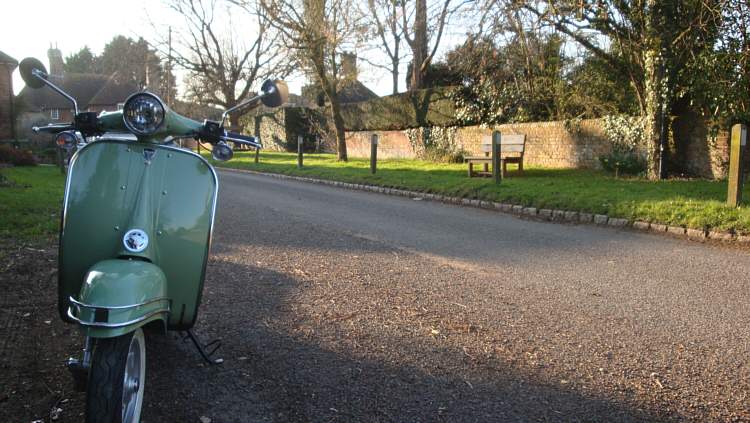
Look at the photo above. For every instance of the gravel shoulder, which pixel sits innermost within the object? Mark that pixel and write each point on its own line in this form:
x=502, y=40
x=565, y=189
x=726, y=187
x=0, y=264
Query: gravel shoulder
x=336, y=305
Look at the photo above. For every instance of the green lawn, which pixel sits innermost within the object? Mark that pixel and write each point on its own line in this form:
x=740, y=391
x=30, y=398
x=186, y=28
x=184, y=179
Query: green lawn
x=690, y=203
x=30, y=201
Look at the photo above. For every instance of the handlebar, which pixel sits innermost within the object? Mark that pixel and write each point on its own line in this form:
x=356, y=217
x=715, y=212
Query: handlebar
x=54, y=128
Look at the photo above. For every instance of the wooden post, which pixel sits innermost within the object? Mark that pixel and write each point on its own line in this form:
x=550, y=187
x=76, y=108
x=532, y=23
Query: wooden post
x=257, y=155
x=496, y=168
x=736, y=154
x=299, y=151
x=373, y=153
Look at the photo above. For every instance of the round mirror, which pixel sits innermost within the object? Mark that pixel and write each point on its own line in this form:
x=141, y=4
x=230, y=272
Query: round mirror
x=27, y=67
x=275, y=93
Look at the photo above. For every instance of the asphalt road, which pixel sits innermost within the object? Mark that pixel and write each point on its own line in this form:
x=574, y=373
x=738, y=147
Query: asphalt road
x=338, y=305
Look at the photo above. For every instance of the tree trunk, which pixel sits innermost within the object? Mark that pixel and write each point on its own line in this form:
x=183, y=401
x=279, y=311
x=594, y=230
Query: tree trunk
x=652, y=116
x=653, y=92
x=419, y=48
x=394, y=73
x=338, y=122
x=394, y=69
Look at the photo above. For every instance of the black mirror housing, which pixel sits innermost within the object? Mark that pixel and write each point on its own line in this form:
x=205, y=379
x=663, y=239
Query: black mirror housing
x=33, y=79
x=275, y=93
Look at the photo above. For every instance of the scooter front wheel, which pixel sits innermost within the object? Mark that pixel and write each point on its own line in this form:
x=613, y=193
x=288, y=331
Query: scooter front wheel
x=116, y=379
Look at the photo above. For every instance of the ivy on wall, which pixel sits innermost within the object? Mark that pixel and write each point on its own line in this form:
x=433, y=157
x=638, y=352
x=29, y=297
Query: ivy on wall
x=435, y=143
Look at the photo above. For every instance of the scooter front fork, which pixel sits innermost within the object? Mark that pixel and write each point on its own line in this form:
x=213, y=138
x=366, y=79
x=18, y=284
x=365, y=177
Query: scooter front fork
x=79, y=369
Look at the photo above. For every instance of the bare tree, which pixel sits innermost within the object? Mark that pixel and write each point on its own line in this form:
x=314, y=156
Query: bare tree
x=317, y=32
x=384, y=21
x=422, y=25
x=223, y=63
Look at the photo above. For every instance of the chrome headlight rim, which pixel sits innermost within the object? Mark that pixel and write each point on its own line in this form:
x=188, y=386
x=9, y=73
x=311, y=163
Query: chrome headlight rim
x=159, y=119
x=68, y=139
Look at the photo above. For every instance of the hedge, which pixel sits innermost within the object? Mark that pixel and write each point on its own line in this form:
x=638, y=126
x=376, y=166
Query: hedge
x=423, y=108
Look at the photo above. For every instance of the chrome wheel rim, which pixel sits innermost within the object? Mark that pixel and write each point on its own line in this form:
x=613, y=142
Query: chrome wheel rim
x=134, y=378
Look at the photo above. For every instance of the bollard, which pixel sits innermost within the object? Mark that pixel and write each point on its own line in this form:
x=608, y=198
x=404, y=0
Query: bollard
x=496, y=165
x=299, y=151
x=737, y=148
x=373, y=153
x=257, y=154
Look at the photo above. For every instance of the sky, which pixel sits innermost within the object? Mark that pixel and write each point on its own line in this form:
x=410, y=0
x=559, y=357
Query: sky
x=29, y=27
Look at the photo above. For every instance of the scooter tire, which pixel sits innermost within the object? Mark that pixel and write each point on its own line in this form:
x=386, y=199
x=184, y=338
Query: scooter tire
x=107, y=383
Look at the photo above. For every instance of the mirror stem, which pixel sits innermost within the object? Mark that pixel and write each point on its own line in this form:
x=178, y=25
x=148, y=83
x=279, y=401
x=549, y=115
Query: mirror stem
x=242, y=105
x=41, y=75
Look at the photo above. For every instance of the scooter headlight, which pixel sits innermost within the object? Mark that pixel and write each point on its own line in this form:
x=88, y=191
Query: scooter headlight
x=143, y=113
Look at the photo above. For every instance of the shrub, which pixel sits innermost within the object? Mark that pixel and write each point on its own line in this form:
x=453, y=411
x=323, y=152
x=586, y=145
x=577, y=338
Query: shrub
x=16, y=157
x=438, y=155
x=623, y=162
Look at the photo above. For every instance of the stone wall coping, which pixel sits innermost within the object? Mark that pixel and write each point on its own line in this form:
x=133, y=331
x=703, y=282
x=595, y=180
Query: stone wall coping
x=532, y=213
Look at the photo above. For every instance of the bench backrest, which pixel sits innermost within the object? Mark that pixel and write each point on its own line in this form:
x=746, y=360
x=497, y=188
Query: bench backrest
x=511, y=143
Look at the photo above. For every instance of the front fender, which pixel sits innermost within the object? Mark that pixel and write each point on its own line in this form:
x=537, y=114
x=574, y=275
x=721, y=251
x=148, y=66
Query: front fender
x=118, y=296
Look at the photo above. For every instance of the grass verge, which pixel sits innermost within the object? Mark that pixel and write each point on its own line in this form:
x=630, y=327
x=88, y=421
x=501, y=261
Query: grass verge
x=30, y=200
x=690, y=203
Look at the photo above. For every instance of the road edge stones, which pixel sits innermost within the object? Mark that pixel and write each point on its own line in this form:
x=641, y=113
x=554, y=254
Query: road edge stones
x=546, y=215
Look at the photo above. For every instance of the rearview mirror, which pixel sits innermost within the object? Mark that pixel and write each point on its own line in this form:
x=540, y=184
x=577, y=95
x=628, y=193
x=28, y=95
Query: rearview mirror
x=275, y=93
x=33, y=72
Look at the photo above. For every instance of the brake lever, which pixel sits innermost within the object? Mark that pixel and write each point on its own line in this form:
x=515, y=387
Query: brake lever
x=239, y=139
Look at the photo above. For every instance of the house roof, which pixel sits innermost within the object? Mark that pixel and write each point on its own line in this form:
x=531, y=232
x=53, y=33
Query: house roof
x=87, y=89
x=112, y=92
x=348, y=90
x=4, y=58
x=353, y=91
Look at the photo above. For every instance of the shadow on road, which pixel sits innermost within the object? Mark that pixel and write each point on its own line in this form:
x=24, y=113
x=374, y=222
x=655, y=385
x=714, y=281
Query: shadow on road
x=277, y=368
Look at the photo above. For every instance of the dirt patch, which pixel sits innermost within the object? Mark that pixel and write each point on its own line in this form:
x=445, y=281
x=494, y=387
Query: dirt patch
x=34, y=342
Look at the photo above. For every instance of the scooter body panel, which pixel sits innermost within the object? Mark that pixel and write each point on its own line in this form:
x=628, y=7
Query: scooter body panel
x=166, y=193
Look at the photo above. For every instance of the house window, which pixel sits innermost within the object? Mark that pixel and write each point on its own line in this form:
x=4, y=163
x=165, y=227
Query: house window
x=54, y=114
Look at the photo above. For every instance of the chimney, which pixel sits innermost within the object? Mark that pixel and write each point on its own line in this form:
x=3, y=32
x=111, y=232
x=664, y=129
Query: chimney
x=349, y=66
x=56, y=64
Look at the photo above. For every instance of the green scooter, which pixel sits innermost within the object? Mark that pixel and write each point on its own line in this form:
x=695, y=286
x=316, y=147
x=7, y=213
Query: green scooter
x=135, y=234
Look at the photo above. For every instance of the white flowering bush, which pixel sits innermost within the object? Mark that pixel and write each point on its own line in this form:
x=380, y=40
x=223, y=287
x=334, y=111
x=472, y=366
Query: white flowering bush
x=627, y=135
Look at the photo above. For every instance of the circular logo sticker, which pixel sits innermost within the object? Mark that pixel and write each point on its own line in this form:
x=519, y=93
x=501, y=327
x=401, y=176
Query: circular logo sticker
x=135, y=240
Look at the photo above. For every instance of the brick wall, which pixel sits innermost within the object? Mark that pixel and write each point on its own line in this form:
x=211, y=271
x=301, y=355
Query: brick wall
x=548, y=144
x=696, y=151
x=391, y=144
x=551, y=144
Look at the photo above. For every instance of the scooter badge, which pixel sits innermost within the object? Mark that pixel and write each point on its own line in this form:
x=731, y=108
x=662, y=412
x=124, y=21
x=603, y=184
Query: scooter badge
x=135, y=240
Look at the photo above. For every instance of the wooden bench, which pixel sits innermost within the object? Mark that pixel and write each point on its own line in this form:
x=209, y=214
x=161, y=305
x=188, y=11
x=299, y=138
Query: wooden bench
x=511, y=151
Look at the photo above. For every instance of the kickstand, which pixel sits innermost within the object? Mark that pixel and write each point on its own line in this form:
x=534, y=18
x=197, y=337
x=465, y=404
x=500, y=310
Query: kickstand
x=202, y=348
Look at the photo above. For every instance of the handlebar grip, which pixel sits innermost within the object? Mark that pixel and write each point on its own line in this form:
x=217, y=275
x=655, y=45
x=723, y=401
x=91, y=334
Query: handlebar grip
x=53, y=128
x=242, y=139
